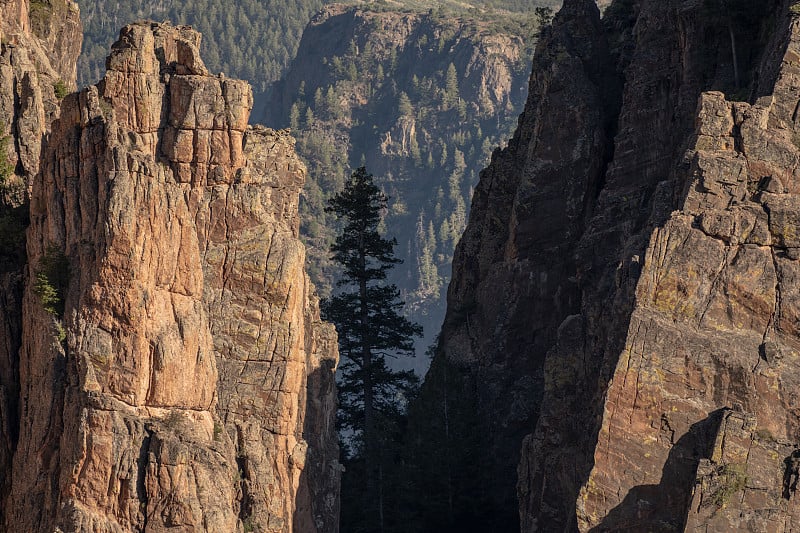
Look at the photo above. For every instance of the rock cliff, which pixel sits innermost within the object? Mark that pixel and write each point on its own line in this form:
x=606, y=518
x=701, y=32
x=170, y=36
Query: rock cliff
x=622, y=314
x=37, y=65
x=174, y=373
x=39, y=47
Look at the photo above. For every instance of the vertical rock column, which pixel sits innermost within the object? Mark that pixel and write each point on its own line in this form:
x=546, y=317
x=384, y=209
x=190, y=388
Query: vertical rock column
x=172, y=392
x=32, y=61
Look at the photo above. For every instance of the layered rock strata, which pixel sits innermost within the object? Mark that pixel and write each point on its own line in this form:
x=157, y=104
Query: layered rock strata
x=644, y=257
x=177, y=376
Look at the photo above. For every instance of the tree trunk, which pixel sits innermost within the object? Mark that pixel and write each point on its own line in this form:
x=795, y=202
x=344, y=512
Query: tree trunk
x=369, y=419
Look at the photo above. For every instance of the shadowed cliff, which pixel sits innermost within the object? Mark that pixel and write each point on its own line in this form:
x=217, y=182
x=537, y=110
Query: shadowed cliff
x=574, y=226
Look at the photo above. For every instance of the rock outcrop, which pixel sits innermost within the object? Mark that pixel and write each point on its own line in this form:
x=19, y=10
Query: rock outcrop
x=174, y=372
x=623, y=309
x=37, y=64
x=39, y=47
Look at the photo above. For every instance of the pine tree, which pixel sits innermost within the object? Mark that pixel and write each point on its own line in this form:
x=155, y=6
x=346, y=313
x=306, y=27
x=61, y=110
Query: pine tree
x=371, y=328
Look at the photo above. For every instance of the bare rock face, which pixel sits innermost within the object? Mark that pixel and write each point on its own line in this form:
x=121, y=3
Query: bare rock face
x=623, y=305
x=39, y=48
x=182, y=380
x=714, y=326
x=34, y=61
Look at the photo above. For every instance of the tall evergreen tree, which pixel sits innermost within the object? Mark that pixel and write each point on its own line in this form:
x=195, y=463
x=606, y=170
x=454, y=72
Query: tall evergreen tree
x=366, y=312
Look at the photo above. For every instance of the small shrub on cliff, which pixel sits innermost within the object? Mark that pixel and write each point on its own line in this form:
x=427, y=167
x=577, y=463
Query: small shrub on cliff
x=51, y=280
x=60, y=89
x=6, y=168
x=733, y=479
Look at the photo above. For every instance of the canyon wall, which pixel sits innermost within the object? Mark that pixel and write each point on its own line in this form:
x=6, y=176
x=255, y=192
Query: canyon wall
x=174, y=372
x=622, y=315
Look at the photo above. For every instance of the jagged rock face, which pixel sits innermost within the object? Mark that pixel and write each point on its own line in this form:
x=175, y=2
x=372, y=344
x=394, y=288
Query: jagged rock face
x=715, y=325
x=32, y=61
x=37, y=52
x=624, y=288
x=510, y=270
x=189, y=383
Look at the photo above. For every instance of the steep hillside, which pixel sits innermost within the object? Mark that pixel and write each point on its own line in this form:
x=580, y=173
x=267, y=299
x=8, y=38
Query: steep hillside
x=173, y=370
x=621, y=326
x=250, y=39
x=420, y=98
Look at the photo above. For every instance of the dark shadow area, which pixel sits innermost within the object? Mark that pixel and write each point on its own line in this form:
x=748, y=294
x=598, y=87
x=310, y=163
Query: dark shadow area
x=13, y=223
x=664, y=507
x=791, y=474
x=317, y=503
x=641, y=189
x=737, y=33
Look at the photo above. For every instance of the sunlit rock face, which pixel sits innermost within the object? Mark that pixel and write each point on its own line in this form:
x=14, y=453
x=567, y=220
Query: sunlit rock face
x=188, y=384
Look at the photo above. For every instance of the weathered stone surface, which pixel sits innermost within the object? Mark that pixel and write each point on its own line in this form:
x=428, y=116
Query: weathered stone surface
x=37, y=53
x=32, y=60
x=709, y=330
x=636, y=306
x=189, y=384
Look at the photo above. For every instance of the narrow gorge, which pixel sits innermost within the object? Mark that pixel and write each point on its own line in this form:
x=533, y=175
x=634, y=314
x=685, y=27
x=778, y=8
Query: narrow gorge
x=621, y=345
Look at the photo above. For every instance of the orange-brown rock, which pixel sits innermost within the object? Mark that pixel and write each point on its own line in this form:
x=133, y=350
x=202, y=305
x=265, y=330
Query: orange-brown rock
x=188, y=385
x=39, y=47
x=33, y=59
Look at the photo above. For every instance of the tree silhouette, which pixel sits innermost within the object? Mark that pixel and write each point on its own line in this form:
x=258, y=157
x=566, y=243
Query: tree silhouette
x=366, y=312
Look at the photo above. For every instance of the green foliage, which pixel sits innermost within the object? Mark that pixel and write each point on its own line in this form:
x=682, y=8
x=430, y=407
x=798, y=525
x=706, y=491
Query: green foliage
x=250, y=39
x=41, y=12
x=60, y=89
x=52, y=280
x=418, y=121
x=6, y=168
x=366, y=312
x=544, y=16
x=733, y=478
x=795, y=9
x=766, y=435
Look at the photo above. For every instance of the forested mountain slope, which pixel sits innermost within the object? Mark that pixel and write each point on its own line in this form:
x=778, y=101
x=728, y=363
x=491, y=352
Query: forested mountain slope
x=420, y=98
x=249, y=39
